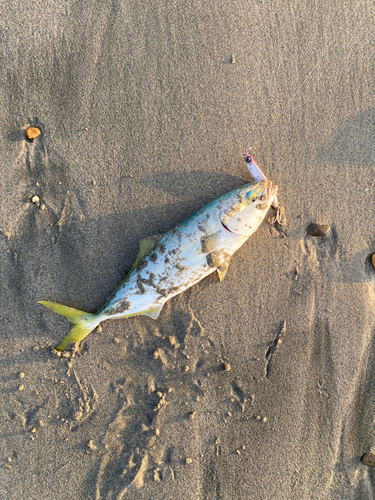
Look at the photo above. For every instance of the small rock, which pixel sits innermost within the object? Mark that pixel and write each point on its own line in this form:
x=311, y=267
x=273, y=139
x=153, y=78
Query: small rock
x=32, y=132
x=318, y=229
x=157, y=353
x=373, y=260
x=369, y=459
x=189, y=460
x=21, y=375
x=91, y=445
x=157, y=477
x=226, y=367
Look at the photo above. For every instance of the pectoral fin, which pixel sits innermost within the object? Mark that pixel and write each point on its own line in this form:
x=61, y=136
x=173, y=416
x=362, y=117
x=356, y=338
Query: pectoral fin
x=153, y=313
x=221, y=274
x=221, y=271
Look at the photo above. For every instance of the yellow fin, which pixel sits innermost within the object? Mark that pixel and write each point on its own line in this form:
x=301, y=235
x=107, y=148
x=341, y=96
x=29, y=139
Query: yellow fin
x=83, y=322
x=153, y=313
x=223, y=268
x=76, y=334
x=145, y=248
x=73, y=315
x=221, y=273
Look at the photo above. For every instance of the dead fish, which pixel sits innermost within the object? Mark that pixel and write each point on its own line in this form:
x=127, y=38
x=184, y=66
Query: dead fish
x=169, y=264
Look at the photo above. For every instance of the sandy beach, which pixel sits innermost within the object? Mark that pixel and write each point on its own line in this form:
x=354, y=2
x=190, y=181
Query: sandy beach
x=260, y=387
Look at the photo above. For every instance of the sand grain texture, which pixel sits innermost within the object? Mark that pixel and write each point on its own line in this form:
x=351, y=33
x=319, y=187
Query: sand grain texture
x=145, y=109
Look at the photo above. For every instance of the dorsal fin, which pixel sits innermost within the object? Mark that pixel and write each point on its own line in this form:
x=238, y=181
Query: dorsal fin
x=145, y=248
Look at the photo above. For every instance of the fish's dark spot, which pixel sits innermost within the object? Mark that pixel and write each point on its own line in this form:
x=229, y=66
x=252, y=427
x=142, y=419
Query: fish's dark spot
x=121, y=307
x=214, y=259
x=149, y=281
x=153, y=257
x=141, y=265
x=180, y=267
x=174, y=251
x=261, y=206
x=167, y=260
x=162, y=248
x=162, y=291
x=142, y=289
x=171, y=290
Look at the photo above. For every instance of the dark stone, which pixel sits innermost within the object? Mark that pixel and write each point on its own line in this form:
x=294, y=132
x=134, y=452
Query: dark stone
x=318, y=229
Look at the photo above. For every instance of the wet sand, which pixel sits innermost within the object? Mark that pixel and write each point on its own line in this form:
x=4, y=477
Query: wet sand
x=259, y=387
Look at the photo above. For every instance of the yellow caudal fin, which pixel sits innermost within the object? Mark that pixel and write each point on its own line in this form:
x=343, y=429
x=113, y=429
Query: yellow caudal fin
x=83, y=322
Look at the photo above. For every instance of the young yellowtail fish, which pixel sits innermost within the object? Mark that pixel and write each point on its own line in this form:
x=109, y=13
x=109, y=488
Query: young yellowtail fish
x=168, y=265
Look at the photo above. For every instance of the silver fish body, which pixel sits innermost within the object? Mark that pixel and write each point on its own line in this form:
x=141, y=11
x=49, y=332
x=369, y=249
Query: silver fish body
x=199, y=246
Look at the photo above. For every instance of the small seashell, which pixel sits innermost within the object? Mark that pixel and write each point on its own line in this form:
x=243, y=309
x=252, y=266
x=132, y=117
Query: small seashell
x=369, y=459
x=373, y=260
x=32, y=132
x=318, y=229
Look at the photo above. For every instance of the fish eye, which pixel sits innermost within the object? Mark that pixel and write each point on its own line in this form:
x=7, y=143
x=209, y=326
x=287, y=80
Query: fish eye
x=251, y=197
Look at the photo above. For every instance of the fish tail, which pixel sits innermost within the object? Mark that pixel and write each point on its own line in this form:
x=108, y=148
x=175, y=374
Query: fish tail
x=83, y=322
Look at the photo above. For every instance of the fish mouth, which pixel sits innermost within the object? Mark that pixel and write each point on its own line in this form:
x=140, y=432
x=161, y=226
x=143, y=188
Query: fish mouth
x=268, y=193
x=227, y=228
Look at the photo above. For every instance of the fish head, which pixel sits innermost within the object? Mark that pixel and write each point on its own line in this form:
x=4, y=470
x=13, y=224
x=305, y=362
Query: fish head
x=248, y=207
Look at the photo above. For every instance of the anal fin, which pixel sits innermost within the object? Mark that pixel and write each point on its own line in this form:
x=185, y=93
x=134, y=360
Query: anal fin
x=221, y=274
x=153, y=313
